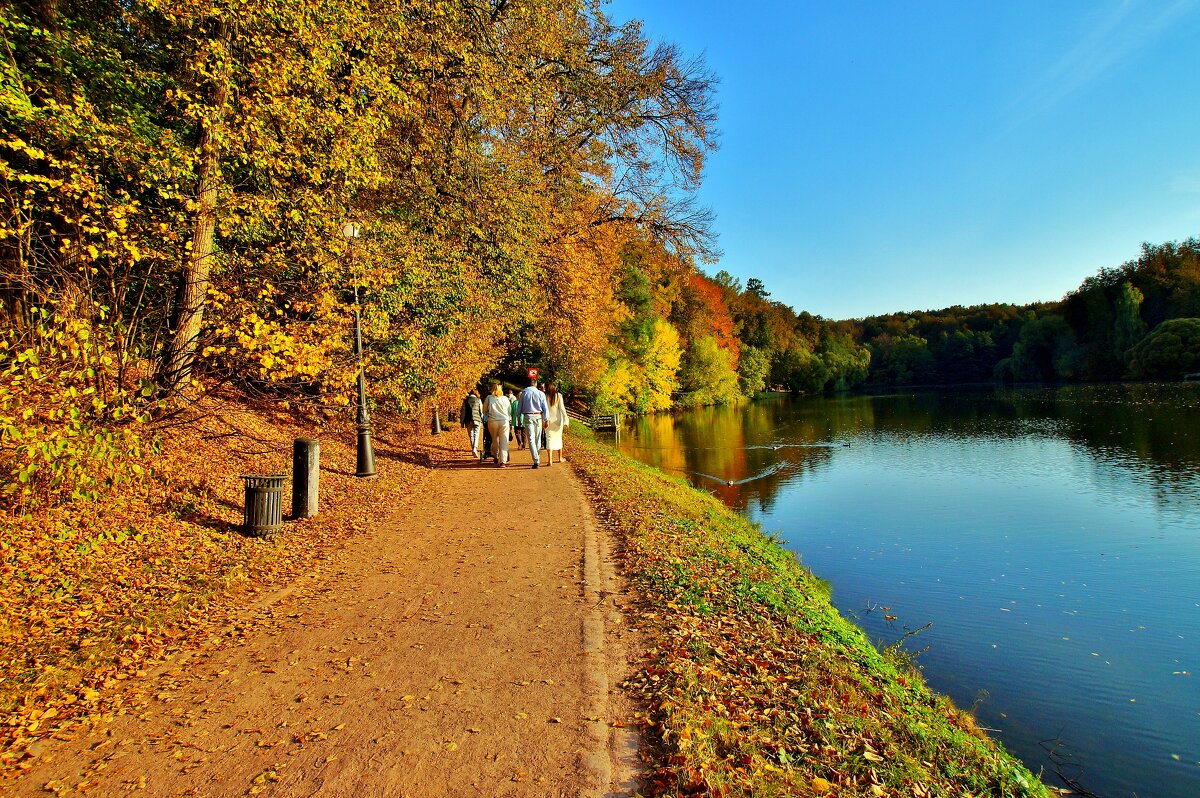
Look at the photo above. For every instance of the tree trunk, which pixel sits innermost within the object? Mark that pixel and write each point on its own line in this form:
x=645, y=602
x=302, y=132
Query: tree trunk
x=179, y=352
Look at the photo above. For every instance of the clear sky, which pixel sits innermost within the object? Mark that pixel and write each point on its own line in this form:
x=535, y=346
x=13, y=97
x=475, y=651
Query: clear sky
x=886, y=155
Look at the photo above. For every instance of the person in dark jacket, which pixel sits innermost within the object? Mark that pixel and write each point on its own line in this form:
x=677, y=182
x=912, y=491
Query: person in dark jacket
x=518, y=423
x=472, y=418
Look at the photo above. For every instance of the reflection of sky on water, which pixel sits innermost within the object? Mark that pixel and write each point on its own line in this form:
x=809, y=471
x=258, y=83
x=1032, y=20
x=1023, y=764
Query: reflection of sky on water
x=1052, y=536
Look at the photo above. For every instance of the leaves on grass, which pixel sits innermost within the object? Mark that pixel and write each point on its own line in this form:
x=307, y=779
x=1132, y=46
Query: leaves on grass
x=755, y=685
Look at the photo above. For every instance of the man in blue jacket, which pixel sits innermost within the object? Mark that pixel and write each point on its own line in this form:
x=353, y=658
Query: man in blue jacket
x=533, y=407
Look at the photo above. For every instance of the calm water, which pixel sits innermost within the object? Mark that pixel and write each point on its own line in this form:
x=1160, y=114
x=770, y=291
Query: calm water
x=1051, y=537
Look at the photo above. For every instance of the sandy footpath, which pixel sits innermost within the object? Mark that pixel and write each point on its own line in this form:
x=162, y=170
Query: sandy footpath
x=469, y=645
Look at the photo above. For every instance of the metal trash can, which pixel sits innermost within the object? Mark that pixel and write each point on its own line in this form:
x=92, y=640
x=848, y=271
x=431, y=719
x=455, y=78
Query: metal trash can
x=264, y=504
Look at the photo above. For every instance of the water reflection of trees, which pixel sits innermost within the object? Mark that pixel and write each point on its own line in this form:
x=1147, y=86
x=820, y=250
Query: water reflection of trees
x=746, y=454
x=1151, y=429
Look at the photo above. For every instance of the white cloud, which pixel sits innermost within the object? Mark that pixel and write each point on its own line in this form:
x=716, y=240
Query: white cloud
x=1121, y=30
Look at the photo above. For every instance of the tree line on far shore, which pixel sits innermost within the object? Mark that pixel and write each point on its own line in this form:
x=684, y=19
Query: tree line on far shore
x=694, y=340
x=1140, y=320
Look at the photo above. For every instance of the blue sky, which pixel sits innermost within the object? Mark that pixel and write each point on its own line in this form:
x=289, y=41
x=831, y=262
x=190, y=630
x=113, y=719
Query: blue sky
x=881, y=155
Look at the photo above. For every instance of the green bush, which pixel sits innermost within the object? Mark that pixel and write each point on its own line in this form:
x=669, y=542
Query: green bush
x=1170, y=352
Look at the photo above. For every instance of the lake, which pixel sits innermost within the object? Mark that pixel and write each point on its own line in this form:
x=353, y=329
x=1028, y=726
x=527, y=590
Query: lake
x=1049, y=537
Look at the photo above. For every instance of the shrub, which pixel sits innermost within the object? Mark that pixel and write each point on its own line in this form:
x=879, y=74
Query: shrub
x=1170, y=352
x=69, y=425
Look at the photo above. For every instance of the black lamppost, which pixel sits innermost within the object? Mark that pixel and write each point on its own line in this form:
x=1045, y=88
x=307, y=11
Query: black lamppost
x=366, y=454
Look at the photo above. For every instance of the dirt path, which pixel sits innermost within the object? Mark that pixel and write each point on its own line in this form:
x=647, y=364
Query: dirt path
x=467, y=645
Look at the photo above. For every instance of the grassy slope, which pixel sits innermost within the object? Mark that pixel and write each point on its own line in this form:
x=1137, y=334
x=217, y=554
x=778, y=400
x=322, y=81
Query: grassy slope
x=757, y=685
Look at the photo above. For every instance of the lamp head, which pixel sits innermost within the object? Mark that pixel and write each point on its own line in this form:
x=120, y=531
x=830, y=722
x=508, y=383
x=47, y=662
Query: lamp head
x=351, y=230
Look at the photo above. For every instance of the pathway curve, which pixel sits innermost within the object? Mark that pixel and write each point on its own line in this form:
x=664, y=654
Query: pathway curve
x=467, y=645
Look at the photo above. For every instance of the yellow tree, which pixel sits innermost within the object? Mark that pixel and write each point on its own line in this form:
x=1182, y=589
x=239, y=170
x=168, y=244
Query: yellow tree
x=659, y=368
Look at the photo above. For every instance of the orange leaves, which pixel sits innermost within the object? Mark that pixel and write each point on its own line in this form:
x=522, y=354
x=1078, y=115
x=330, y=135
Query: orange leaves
x=710, y=315
x=498, y=163
x=93, y=593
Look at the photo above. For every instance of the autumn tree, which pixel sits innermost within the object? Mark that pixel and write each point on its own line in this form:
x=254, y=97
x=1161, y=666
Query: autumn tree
x=214, y=65
x=181, y=172
x=754, y=366
x=707, y=375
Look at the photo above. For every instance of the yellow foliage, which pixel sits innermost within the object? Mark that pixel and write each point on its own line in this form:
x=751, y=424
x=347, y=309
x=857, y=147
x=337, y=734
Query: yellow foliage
x=660, y=367
x=71, y=423
x=194, y=161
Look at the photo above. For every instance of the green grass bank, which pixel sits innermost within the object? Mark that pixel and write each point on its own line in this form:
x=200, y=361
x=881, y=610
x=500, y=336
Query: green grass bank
x=755, y=684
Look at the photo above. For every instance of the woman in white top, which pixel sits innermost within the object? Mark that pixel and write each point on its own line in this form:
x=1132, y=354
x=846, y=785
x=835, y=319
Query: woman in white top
x=498, y=409
x=556, y=421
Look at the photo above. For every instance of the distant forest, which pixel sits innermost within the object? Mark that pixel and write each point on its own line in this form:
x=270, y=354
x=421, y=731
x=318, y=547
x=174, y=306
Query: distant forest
x=1140, y=320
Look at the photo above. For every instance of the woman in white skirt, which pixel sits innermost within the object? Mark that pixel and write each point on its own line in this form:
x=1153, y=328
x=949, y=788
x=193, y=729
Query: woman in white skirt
x=498, y=410
x=556, y=421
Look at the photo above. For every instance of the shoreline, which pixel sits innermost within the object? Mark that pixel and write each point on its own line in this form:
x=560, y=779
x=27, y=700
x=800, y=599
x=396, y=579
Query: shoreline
x=757, y=685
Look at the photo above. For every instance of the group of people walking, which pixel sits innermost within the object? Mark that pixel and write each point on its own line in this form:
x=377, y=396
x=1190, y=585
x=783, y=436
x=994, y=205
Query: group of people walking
x=533, y=418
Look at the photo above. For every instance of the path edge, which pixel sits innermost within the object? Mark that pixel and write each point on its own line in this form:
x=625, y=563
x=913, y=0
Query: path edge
x=613, y=762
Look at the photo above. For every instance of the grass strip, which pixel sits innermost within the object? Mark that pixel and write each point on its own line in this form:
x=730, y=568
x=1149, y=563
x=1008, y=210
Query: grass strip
x=755, y=684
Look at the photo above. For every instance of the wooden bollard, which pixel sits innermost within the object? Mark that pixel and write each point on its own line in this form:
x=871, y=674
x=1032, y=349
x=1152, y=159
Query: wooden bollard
x=306, y=476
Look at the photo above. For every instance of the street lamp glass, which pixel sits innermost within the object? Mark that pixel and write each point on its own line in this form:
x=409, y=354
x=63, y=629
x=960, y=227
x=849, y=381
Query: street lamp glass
x=351, y=230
